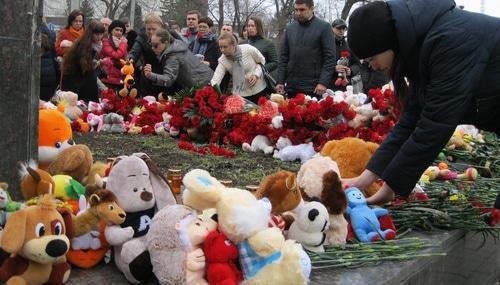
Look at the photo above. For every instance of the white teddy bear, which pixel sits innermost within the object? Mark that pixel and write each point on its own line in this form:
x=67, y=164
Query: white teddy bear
x=310, y=226
x=293, y=152
x=259, y=143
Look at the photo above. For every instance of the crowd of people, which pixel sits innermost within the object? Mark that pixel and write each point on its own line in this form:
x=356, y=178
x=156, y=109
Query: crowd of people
x=86, y=58
x=444, y=72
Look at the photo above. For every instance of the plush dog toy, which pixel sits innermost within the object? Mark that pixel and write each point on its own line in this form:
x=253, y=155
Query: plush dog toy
x=319, y=177
x=265, y=256
x=364, y=220
x=310, y=226
x=140, y=189
x=128, y=81
x=37, y=238
x=175, y=245
x=352, y=156
x=291, y=153
x=222, y=260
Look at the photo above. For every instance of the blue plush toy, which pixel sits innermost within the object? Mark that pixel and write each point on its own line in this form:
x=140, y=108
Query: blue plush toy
x=364, y=220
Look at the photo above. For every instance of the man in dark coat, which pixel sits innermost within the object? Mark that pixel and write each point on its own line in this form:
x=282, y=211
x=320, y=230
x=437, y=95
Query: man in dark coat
x=339, y=27
x=451, y=60
x=307, y=60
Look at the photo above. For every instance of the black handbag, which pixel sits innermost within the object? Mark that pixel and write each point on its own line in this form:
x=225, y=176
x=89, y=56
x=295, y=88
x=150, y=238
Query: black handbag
x=270, y=81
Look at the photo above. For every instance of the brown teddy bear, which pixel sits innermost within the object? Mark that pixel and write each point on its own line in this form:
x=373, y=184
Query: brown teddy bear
x=74, y=161
x=352, y=156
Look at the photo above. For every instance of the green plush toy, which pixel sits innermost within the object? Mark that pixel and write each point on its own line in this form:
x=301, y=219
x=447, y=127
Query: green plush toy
x=7, y=206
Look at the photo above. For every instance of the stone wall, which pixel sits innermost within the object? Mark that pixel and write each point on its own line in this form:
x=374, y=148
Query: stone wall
x=19, y=85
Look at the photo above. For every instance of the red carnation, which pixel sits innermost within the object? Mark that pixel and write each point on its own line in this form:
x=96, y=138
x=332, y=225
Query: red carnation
x=195, y=120
x=345, y=53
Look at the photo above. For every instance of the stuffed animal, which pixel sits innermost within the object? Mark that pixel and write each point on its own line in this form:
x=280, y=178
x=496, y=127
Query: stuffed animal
x=98, y=168
x=259, y=143
x=364, y=220
x=113, y=122
x=265, y=256
x=141, y=190
x=222, y=260
x=7, y=206
x=352, y=156
x=88, y=248
x=69, y=100
x=94, y=107
x=35, y=181
x=54, y=135
x=75, y=161
x=310, y=226
x=457, y=141
x=37, y=238
x=6, y=202
x=128, y=81
x=291, y=153
x=277, y=122
x=175, y=245
x=282, y=189
x=95, y=122
x=319, y=177
x=281, y=143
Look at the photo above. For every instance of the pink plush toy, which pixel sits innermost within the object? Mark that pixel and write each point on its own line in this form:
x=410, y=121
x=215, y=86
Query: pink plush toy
x=95, y=122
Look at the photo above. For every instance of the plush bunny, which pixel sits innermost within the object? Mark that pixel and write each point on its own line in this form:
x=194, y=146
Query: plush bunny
x=141, y=190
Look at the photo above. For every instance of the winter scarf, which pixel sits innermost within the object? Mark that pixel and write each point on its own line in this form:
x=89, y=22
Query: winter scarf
x=201, y=43
x=76, y=33
x=238, y=72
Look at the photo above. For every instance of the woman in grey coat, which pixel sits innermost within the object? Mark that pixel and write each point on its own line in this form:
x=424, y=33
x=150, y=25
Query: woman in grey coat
x=181, y=69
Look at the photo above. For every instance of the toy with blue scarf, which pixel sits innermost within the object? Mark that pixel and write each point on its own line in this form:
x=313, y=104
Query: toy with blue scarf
x=364, y=220
x=265, y=256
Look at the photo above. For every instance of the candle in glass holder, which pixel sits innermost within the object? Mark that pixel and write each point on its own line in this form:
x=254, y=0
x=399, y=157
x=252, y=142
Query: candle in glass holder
x=227, y=183
x=252, y=188
x=174, y=178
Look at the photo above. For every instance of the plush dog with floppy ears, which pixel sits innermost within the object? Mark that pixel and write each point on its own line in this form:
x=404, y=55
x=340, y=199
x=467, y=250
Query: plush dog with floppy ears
x=37, y=238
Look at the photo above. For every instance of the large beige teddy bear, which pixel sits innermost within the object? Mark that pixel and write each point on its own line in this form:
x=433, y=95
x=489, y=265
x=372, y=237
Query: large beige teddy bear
x=265, y=256
x=141, y=190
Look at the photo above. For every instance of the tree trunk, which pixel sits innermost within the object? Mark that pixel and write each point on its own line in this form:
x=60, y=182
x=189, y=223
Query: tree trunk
x=19, y=86
x=221, y=14
x=237, y=20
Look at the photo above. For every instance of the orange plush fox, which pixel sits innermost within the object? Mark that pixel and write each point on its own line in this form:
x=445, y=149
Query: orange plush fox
x=54, y=135
x=128, y=82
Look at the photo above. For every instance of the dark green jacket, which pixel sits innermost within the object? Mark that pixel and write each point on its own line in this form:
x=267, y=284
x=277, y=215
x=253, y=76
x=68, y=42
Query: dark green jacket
x=267, y=49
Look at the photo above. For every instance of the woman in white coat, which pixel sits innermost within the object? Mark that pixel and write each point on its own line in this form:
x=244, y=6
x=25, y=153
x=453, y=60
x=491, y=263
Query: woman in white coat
x=242, y=62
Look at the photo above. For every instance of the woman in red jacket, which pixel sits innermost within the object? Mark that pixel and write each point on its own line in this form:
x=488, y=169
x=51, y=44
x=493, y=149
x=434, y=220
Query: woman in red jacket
x=70, y=33
x=114, y=48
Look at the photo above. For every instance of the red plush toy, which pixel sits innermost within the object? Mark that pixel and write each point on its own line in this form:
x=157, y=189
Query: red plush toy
x=222, y=260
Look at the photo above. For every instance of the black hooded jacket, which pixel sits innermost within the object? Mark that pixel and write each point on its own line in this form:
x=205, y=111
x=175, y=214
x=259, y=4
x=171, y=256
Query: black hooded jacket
x=452, y=62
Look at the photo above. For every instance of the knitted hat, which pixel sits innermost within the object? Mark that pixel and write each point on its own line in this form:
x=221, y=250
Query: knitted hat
x=116, y=23
x=371, y=30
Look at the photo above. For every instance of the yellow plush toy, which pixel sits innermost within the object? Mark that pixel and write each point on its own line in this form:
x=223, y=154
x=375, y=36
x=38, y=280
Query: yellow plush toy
x=352, y=156
x=265, y=256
